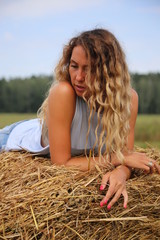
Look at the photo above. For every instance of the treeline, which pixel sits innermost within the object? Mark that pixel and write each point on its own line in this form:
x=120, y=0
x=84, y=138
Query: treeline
x=148, y=89
x=23, y=95
x=26, y=95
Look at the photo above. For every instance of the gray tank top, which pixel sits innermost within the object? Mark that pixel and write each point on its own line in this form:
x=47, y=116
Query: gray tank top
x=79, y=130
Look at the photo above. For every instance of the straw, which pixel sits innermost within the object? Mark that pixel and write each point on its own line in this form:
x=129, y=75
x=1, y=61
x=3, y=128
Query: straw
x=39, y=200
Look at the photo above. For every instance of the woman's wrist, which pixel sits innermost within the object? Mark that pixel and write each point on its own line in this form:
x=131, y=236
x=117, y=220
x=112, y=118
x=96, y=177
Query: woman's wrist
x=117, y=162
x=126, y=169
x=114, y=160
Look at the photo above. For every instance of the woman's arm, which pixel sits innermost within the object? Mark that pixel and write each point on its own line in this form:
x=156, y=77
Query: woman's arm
x=61, y=109
x=135, y=159
x=133, y=117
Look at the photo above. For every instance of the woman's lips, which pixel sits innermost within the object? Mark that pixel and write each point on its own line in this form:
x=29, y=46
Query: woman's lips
x=79, y=88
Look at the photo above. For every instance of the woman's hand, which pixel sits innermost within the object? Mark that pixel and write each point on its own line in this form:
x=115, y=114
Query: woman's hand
x=141, y=161
x=117, y=186
x=138, y=160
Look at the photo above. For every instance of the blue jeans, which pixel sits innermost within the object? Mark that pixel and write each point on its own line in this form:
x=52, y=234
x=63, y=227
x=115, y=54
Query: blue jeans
x=5, y=132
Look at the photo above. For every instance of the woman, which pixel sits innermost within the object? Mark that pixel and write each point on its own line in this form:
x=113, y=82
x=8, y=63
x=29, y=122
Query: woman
x=91, y=108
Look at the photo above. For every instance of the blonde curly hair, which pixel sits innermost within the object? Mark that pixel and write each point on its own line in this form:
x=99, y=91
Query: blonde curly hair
x=110, y=88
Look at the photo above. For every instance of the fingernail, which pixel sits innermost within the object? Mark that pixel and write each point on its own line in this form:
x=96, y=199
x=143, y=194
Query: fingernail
x=105, y=202
x=125, y=206
x=101, y=204
x=109, y=207
x=101, y=187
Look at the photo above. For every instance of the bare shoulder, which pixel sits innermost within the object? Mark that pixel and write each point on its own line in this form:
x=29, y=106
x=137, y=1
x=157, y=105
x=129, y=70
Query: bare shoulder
x=62, y=89
x=134, y=101
x=134, y=95
x=134, y=108
x=61, y=101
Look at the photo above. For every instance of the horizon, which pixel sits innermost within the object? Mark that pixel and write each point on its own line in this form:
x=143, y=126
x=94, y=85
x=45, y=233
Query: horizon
x=52, y=75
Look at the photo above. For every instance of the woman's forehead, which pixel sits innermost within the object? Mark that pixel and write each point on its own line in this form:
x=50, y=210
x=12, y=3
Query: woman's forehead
x=79, y=54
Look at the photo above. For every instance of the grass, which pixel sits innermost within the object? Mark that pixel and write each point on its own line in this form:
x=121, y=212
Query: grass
x=9, y=118
x=146, y=144
x=148, y=127
x=147, y=130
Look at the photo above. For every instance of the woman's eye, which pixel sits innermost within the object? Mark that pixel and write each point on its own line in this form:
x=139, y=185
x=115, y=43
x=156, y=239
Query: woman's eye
x=74, y=66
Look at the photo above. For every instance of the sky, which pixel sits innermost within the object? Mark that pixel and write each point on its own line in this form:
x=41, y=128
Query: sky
x=33, y=32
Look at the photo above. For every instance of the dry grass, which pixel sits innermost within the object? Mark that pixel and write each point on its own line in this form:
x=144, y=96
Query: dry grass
x=42, y=201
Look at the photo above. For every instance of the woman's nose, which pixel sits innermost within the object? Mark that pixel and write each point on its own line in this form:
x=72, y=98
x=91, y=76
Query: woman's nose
x=80, y=75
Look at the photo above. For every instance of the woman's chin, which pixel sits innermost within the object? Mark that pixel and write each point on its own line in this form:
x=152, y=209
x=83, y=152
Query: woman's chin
x=79, y=94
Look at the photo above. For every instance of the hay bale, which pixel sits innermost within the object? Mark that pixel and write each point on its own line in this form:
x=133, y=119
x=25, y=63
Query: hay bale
x=42, y=201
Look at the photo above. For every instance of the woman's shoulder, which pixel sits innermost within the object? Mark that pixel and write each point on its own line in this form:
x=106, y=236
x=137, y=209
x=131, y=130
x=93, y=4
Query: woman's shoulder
x=61, y=89
x=134, y=102
x=134, y=94
x=134, y=97
x=62, y=95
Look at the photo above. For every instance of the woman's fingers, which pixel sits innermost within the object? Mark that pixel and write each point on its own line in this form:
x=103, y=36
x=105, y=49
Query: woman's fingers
x=141, y=161
x=114, y=191
x=109, y=194
x=125, y=195
x=117, y=186
x=115, y=198
x=150, y=165
x=105, y=180
x=157, y=166
x=111, y=191
x=153, y=166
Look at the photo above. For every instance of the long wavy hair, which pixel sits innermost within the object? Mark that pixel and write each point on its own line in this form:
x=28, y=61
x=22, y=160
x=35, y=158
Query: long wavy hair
x=110, y=88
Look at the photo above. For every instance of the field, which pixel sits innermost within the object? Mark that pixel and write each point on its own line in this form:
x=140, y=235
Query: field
x=147, y=129
x=8, y=118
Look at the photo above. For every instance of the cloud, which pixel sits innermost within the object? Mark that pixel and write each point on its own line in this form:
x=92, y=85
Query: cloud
x=38, y=8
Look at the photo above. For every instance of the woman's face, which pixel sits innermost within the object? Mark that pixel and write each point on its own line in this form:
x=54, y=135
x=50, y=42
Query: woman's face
x=78, y=69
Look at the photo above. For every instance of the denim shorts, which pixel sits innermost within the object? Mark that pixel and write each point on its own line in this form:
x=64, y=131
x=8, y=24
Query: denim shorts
x=5, y=132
